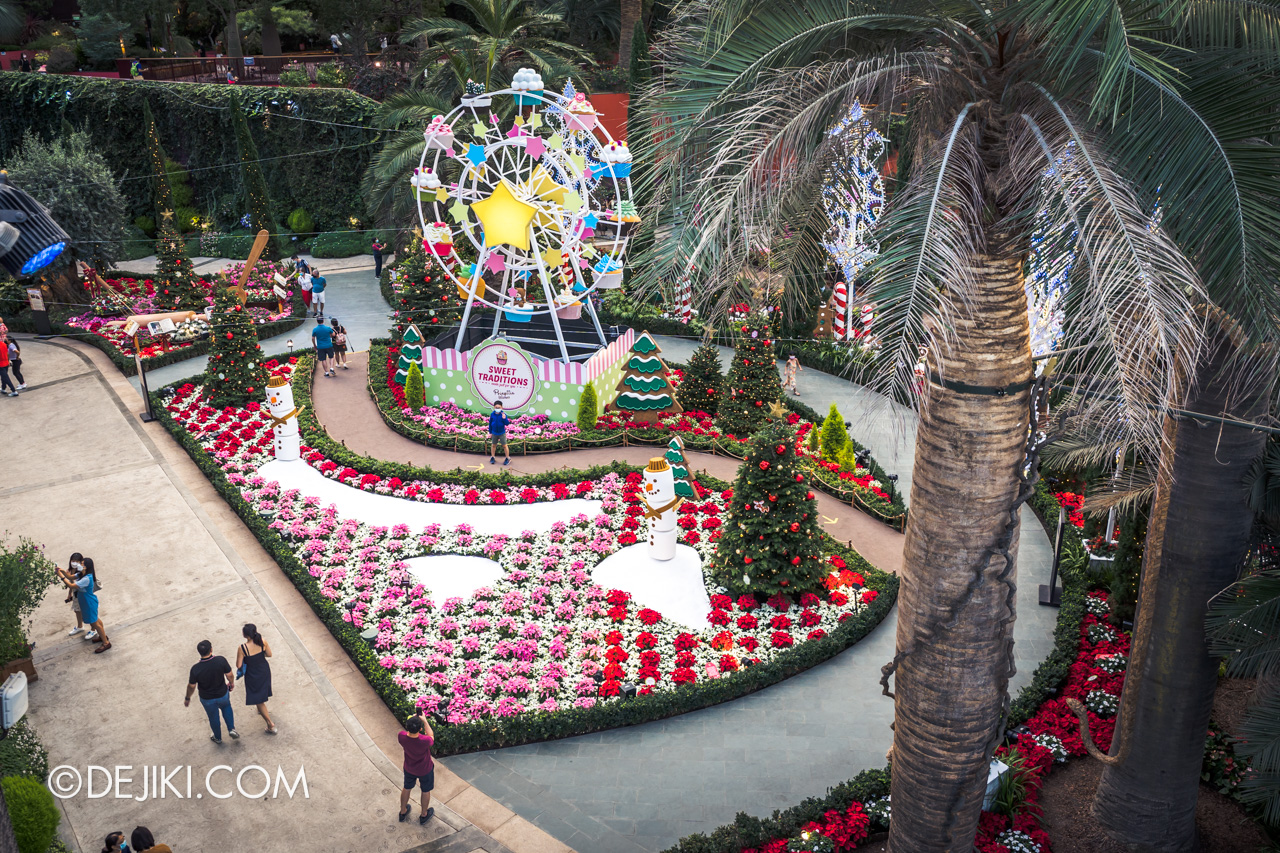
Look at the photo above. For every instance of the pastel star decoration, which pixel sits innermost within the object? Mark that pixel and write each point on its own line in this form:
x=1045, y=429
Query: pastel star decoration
x=505, y=218
x=476, y=153
x=515, y=132
x=571, y=201
x=479, y=129
x=535, y=121
x=591, y=220
x=535, y=147
x=556, y=142
x=458, y=211
x=495, y=263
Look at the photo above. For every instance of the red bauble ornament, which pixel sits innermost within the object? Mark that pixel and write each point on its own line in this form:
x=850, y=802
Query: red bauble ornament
x=799, y=478
x=782, y=583
x=229, y=336
x=746, y=560
x=809, y=496
x=764, y=464
x=795, y=561
x=759, y=403
x=773, y=497
x=249, y=389
x=795, y=527
x=780, y=449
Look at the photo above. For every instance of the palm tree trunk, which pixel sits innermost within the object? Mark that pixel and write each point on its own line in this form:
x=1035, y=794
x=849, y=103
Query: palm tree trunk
x=954, y=631
x=1196, y=540
x=630, y=12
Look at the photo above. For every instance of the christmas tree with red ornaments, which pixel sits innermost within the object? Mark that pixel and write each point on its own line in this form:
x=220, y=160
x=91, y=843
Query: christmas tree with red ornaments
x=752, y=386
x=426, y=297
x=177, y=285
x=235, y=374
x=770, y=542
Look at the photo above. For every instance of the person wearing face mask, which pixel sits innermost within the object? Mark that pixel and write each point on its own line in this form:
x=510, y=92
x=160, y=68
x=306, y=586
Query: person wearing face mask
x=85, y=586
x=75, y=567
x=115, y=843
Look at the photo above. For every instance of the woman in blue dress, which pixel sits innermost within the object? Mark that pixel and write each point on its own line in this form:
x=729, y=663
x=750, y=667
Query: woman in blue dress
x=255, y=672
x=84, y=587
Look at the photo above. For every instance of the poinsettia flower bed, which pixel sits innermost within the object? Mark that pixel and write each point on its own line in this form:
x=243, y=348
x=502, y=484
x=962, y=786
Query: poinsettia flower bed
x=141, y=296
x=544, y=637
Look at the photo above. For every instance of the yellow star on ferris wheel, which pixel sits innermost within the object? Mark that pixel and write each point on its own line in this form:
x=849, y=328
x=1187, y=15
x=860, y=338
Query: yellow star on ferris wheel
x=542, y=187
x=505, y=218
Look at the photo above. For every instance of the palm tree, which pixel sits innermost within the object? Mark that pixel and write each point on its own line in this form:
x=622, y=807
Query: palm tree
x=506, y=34
x=988, y=97
x=388, y=194
x=630, y=12
x=11, y=19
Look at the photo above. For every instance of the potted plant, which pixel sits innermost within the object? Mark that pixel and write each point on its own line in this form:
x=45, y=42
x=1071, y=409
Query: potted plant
x=25, y=574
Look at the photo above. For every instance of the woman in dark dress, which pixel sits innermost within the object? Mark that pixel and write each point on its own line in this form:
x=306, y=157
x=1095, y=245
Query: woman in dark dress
x=252, y=655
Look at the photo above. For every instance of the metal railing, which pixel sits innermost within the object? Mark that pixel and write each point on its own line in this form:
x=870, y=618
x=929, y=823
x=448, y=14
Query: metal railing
x=248, y=70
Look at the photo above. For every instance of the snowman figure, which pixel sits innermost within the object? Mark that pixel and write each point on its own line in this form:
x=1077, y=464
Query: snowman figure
x=284, y=419
x=660, y=503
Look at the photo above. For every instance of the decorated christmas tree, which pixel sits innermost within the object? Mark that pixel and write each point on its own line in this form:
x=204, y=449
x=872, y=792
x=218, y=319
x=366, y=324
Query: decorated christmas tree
x=177, y=285
x=410, y=353
x=645, y=391
x=770, y=537
x=752, y=386
x=426, y=297
x=235, y=374
x=700, y=389
x=679, y=468
x=255, y=185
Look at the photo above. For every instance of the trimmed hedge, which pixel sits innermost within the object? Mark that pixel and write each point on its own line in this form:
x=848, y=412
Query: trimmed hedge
x=126, y=363
x=528, y=727
x=894, y=515
x=753, y=832
x=342, y=244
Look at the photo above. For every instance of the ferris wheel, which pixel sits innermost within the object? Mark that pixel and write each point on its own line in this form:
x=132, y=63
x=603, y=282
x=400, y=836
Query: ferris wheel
x=542, y=198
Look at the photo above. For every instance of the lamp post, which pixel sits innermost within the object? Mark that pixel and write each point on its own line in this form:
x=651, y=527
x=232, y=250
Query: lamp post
x=289, y=344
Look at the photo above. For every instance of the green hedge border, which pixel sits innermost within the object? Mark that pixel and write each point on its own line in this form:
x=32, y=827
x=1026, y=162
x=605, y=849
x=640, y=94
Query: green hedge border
x=529, y=727
x=752, y=832
x=896, y=517
x=126, y=364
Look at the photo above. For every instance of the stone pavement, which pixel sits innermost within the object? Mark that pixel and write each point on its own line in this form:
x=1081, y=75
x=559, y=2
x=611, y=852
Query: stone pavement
x=644, y=787
x=82, y=473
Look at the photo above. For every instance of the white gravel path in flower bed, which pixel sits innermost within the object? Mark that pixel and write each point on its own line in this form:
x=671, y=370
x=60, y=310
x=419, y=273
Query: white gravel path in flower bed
x=674, y=588
x=387, y=511
x=454, y=575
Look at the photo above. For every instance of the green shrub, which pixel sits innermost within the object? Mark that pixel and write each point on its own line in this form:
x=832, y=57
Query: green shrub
x=300, y=222
x=147, y=225
x=22, y=753
x=136, y=244
x=236, y=246
x=331, y=74
x=834, y=436
x=294, y=75
x=587, y=408
x=25, y=574
x=415, y=395
x=32, y=812
x=186, y=219
x=62, y=59
x=340, y=244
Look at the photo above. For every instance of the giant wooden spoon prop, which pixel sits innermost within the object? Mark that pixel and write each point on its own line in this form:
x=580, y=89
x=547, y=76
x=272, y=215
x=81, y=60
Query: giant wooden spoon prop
x=259, y=244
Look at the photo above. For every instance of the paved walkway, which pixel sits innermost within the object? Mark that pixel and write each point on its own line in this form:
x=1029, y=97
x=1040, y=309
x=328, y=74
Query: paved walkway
x=644, y=787
x=82, y=473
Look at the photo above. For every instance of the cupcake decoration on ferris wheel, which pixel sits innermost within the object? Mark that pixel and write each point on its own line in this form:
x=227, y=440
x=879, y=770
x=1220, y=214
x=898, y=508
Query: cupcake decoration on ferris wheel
x=540, y=197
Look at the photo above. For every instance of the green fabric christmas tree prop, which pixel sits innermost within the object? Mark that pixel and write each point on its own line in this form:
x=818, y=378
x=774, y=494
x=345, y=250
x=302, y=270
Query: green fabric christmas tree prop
x=752, y=386
x=177, y=285
x=645, y=391
x=700, y=389
x=834, y=436
x=410, y=353
x=426, y=298
x=235, y=374
x=415, y=395
x=588, y=408
x=255, y=186
x=770, y=538
x=679, y=468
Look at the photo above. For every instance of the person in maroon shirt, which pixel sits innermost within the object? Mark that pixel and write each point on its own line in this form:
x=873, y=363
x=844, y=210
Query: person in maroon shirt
x=419, y=769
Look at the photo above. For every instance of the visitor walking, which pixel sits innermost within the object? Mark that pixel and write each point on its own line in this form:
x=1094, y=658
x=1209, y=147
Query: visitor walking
x=15, y=362
x=318, y=285
x=498, y=421
x=143, y=841
x=254, y=670
x=419, y=769
x=6, y=384
x=304, y=282
x=789, y=371
x=335, y=43
x=339, y=342
x=378, y=248
x=84, y=587
x=75, y=567
x=213, y=677
x=25, y=65
x=87, y=568
x=322, y=337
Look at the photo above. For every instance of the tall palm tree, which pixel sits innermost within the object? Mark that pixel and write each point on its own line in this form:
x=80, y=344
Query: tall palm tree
x=988, y=97
x=506, y=33
x=388, y=195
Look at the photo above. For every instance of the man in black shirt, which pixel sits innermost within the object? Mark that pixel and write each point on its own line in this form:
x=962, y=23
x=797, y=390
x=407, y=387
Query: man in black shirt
x=215, y=680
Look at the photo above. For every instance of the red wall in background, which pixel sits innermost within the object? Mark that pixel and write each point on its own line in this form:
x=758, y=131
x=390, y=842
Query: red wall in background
x=613, y=112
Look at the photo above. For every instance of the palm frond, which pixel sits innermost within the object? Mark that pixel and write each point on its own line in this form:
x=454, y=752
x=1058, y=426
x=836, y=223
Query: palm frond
x=1243, y=625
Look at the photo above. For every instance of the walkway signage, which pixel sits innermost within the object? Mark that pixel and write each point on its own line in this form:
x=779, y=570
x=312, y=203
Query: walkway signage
x=500, y=370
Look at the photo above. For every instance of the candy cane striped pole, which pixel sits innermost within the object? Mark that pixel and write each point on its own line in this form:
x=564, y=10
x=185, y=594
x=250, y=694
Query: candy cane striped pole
x=684, y=298
x=840, y=323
